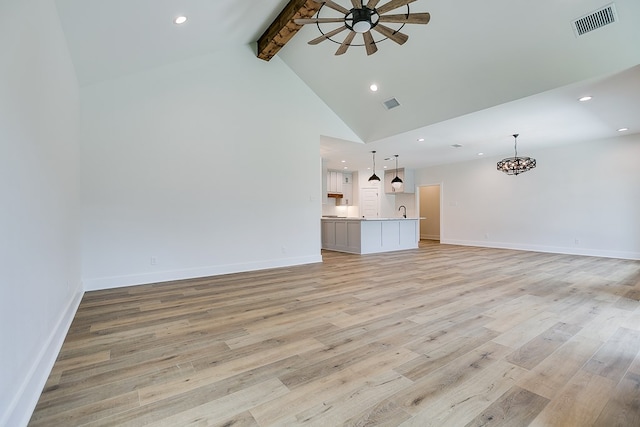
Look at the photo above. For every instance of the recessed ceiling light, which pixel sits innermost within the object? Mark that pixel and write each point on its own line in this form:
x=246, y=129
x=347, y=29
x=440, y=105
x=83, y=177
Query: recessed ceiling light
x=420, y=139
x=343, y=161
x=385, y=167
x=480, y=154
x=623, y=129
x=345, y=167
x=373, y=87
x=585, y=98
x=180, y=20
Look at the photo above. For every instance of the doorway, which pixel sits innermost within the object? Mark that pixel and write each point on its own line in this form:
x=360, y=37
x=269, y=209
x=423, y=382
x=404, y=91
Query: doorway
x=429, y=209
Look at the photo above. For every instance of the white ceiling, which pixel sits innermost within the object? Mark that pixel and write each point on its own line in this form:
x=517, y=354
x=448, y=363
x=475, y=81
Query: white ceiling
x=112, y=38
x=547, y=119
x=477, y=73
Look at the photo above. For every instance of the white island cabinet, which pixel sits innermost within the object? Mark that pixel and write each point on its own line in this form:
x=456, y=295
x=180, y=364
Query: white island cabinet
x=369, y=235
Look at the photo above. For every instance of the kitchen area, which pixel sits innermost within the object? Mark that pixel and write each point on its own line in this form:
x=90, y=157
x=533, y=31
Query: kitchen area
x=363, y=217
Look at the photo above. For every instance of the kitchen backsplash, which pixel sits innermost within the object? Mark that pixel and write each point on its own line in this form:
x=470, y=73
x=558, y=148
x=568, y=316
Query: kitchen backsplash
x=346, y=211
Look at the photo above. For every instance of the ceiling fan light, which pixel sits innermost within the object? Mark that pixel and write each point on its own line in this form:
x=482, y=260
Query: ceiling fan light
x=362, y=26
x=363, y=19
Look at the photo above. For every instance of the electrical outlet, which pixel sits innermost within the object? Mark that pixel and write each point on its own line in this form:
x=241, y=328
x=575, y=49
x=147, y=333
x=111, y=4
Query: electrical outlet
x=154, y=260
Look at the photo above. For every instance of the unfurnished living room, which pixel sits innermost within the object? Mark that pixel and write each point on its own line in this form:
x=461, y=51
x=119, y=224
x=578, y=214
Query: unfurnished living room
x=326, y=213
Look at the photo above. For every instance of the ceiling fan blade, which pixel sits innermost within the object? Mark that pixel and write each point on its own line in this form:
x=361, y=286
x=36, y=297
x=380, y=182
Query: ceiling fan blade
x=413, y=18
x=333, y=6
x=317, y=20
x=394, y=35
x=372, y=4
x=327, y=35
x=393, y=4
x=346, y=43
x=369, y=44
x=357, y=4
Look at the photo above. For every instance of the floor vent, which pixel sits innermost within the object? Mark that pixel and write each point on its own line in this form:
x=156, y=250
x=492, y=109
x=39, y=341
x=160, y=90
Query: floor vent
x=601, y=17
x=391, y=103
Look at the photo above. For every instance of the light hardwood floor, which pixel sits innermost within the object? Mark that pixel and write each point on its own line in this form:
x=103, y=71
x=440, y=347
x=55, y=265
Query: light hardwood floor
x=438, y=336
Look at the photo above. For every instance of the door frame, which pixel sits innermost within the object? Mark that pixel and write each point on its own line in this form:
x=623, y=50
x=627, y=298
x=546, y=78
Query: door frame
x=437, y=184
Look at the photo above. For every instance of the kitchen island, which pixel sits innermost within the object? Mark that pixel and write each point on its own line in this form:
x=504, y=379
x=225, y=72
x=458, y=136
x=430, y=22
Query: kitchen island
x=369, y=235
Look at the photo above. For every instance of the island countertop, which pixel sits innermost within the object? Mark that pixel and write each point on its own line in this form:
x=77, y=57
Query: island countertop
x=367, y=219
x=369, y=235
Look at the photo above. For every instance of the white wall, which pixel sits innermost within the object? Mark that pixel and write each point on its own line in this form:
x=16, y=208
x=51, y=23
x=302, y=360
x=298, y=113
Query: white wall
x=209, y=166
x=581, y=199
x=39, y=245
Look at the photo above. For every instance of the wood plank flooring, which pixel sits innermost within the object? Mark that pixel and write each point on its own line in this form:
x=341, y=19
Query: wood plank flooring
x=439, y=336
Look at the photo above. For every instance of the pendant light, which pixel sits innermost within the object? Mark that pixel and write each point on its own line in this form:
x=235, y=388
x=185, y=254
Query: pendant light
x=396, y=182
x=516, y=165
x=373, y=179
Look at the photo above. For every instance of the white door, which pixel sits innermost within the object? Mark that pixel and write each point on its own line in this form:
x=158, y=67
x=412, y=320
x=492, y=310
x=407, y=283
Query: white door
x=369, y=202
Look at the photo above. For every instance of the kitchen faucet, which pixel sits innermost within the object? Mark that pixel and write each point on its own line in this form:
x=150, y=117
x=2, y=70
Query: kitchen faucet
x=404, y=215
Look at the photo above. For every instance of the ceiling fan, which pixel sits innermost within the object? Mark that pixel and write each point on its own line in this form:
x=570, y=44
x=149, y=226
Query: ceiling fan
x=362, y=19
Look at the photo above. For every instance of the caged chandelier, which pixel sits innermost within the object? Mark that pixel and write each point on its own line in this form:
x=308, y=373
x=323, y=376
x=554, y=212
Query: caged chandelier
x=516, y=165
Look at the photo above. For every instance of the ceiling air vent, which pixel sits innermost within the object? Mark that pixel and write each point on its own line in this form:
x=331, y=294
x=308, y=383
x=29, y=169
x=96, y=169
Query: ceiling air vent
x=391, y=103
x=601, y=17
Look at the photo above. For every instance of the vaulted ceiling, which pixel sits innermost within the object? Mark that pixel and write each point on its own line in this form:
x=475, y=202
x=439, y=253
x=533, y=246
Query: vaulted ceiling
x=478, y=72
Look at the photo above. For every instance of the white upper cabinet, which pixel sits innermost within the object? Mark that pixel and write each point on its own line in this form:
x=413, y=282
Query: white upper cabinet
x=406, y=175
x=347, y=190
x=334, y=182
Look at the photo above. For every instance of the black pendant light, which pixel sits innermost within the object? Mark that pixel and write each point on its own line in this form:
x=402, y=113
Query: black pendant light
x=373, y=179
x=396, y=182
x=516, y=165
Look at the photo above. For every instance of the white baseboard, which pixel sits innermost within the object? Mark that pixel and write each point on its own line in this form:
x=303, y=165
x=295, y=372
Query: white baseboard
x=26, y=397
x=98, y=283
x=546, y=249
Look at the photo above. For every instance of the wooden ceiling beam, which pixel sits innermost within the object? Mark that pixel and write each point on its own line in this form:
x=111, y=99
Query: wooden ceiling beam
x=282, y=29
